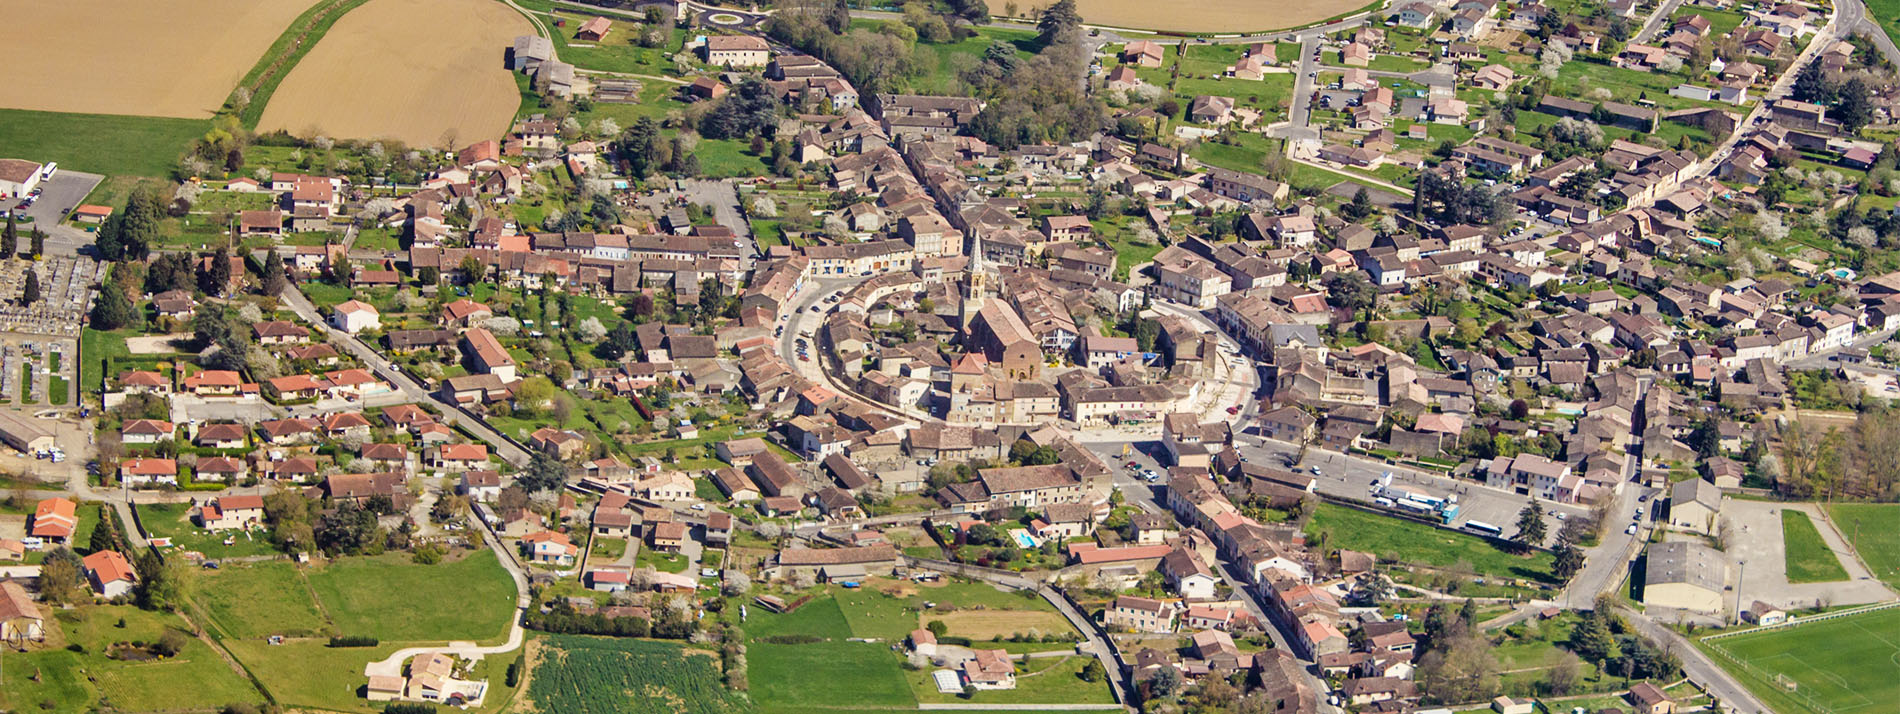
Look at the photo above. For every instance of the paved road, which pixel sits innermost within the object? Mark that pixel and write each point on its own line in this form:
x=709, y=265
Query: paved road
x=1823, y=359
x=1657, y=21
x=1853, y=17
x=414, y=390
x=723, y=197
x=1699, y=668
x=1300, y=113
x=1838, y=24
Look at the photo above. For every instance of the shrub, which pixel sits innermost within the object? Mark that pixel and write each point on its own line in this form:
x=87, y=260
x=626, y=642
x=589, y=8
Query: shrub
x=354, y=641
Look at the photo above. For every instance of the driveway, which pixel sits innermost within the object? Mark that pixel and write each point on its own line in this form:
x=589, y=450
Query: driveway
x=1755, y=538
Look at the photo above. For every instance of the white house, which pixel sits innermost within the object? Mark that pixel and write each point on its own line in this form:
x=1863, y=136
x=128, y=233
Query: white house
x=355, y=316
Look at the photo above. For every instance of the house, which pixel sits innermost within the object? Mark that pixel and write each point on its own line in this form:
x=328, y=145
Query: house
x=54, y=521
x=481, y=486
x=1140, y=614
x=488, y=354
x=1694, y=505
x=111, y=574
x=1686, y=576
x=706, y=88
x=1211, y=109
x=354, y=316
x=737, y=51
x=593, y=30
x=1143, y=53
x=1764, y=614
x=145, y=431
x=20, y=619
x=549, y=547
x=1188, y=576
x=563, y=444
x=144, y=472
x=1647, y=698
x=989, y=669
x=460, y=457
x=230, y=513
x=668, y=537
x=608, y=581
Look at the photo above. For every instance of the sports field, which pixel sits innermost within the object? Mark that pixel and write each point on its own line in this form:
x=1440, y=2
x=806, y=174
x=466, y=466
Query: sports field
x=1869, y=526
x=178, y=58
x=1849, y=665
x=452, y=86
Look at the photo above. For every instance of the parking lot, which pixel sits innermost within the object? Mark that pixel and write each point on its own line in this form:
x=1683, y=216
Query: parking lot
x=65, y=295
x=58, y=197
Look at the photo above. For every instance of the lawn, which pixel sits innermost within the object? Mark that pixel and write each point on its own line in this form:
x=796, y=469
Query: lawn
x=1049, y=680
x=826, y=677
x=95, y=348
x=173, y=520
x=937, y=66
x=617, y=51
x=1845, y=664
x=307, y=674
x=1808, y=558
x=1395, y=539
x=727, y=158
x=82, y=678
x=392, y=599
x=252, y=601
x=663, y=562
x=99, y=143
x=597, y=675
x=1869, y=526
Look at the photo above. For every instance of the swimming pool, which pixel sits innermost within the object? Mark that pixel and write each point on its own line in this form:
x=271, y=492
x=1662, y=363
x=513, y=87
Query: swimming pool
x=1023, y=539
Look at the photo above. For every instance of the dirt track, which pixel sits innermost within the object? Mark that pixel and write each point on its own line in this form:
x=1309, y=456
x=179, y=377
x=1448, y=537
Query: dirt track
x=1212, y=15
x=427, y=72
x=170, y=58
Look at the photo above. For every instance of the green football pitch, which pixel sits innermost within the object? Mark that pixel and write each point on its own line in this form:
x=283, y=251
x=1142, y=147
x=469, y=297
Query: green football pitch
x=1847, y=665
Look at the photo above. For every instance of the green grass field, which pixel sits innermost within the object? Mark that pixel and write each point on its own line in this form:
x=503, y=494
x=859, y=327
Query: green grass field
x=392, y=599
x=597, y=675
x=1808, y=558
x=305, y=673
x=1390, y=538
x=1049, y=680
x=256, y=600
x=99, y=143
x=1849, y=665
x=826, y=676
x=65, y=680
x=173, y=520
x=1869, y=526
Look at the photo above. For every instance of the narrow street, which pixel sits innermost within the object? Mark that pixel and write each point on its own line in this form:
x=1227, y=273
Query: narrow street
x=451, y=415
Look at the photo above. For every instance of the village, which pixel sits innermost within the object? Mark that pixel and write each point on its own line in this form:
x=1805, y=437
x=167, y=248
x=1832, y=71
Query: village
x=1440, y=357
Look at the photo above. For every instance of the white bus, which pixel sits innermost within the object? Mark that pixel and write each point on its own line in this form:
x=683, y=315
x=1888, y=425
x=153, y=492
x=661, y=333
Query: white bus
x=1484, y=528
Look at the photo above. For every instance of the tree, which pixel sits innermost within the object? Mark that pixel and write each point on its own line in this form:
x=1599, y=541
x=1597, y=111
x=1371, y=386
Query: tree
x=1060, y=23
x=737, y=584
x=1569, y=561
x=62, y=577
x=1093, y=671
x=1350, y=291
x=544, y=473
x=214, y=275
x=31, y=293
x=472, y=269
x=1462, y=670
x=161, y=585
x=1854, y=107
x=113, y=310
x=274, y=279
x=938, y=628
x=9, y=239
x=1592, y=640
x=1530, y=525
x=1360, y=207
x=105, y=536
x=38, y=244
